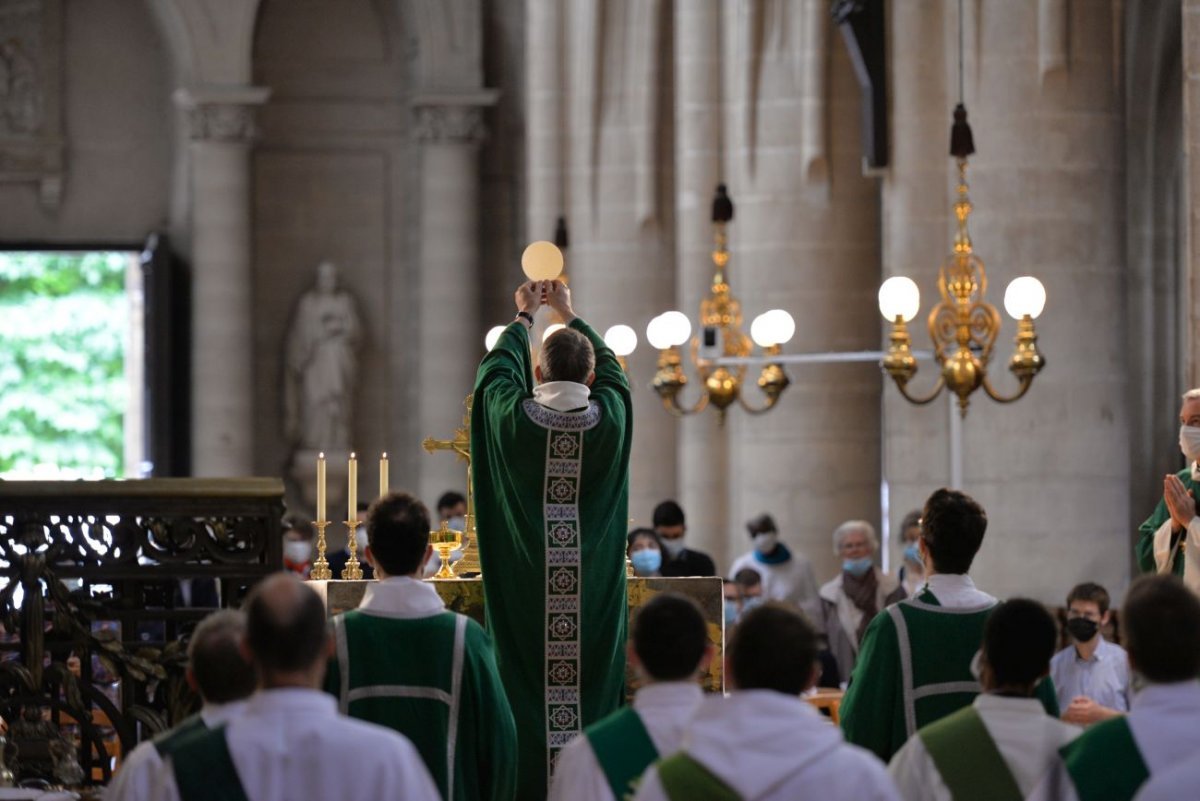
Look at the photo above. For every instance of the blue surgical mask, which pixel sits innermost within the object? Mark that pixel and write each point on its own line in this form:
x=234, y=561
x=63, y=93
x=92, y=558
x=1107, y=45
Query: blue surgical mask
x=646, y=561
x=912, y=553
x=858, y=567
x=752, y=601
x=730, y=612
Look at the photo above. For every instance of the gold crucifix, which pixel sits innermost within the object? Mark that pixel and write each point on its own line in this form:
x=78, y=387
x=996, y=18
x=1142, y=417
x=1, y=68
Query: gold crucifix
x=460, y=443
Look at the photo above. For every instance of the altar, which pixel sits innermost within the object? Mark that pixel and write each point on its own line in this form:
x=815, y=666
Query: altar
x=465, y=596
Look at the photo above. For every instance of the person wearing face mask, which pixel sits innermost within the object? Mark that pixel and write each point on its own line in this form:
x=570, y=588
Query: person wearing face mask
x=645, y=552
x=1169, y=540
x=852, y=598
x=786, y=575
x=297, y=547
x=670, y=526
x=912, y=569
x=451, y=509
x=1092, y=674
x=668, y=650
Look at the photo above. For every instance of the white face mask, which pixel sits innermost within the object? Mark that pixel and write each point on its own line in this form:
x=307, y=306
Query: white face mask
x=1189, y=442
x=457, y=523
x=674, y=547
x=766, y=542
x=297, y=551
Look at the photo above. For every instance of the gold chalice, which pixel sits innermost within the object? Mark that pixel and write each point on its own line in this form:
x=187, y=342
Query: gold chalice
x=444, y=541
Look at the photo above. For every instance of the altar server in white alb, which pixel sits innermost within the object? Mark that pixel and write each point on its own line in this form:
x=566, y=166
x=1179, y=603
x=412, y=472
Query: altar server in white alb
x=764, y=742
x=1112, y=760
x=291, y=744
x=668, y=651
x=1004, y=742
x=223, y=678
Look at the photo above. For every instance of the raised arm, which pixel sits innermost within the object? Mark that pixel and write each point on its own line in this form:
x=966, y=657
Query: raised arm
x=507, y=368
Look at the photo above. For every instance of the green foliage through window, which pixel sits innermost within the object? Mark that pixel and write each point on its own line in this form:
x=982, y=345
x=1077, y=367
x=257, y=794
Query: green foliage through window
x=64, y=327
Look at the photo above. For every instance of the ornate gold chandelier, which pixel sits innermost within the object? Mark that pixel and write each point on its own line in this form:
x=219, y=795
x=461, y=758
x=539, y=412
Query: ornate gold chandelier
x=721, y=337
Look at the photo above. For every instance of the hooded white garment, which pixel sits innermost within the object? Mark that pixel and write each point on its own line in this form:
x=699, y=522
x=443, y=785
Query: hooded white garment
x=401, y=597
x=791, y=581
x=1191, y=547
x=135, y=780
x=292, y=744
x=665, y=708
x=1027, y=738
x=768, y=746
x=1180, y=781
x=562, y=396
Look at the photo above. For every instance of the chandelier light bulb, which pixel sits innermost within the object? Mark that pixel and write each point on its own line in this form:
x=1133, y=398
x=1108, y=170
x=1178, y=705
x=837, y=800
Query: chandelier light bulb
x=493, y=336
x=760, y=331
x=899, y=297
x=542, y=261
x=622, y=339
x=551, y=330
x=677, y=327
x=656, y=334
x=1025, y=295
x=781, y=326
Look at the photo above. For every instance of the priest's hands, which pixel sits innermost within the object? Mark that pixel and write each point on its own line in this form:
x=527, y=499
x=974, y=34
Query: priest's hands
x=1180, y=502
x=558, y=297
x=528, y=297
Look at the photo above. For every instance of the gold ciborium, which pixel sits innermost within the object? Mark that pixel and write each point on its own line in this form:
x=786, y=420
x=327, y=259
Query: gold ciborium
x=444, y=541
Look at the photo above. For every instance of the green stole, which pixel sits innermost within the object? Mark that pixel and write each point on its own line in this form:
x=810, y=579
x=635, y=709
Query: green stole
x=623, y=748
x=169, y=741
x=685, y=779
x=204, y=769
x=967, y=758
x=1105, y=763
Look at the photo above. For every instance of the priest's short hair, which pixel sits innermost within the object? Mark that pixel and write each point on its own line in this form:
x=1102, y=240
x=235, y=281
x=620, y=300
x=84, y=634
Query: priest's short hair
x=1018, y=640
x=1162, y=629
x=398, y=533
x=952, y=525
x=774, y=647
x=669, y=637
x=215, y=658
x=286, y=625
x=567, y=355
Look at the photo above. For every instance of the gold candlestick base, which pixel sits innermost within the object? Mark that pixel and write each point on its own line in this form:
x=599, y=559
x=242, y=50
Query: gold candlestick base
x=353, y=570
x=444, y=541
x=320, y=569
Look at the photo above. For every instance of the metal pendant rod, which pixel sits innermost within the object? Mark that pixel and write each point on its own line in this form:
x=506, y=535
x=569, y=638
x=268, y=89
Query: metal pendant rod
x=831, y=357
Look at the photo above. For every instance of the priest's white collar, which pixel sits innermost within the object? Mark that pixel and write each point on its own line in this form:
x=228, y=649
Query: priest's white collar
x=562, y=396
x=957, y=591
x=401, y=597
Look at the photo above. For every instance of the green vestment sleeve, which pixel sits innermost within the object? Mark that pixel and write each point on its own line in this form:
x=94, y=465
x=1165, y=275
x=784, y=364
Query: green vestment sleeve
x=1144, y=550
x=872, y=711
x=488, y=717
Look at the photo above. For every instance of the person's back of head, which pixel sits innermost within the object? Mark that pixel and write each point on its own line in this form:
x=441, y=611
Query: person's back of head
x=398, y=533
x=952, y=528
x=669, y=514
x=286, y=629
x=216, y=666
x=670, y=637
x=773, y=648
x=1162, y=629
x=1018, y=642
x=567, y=355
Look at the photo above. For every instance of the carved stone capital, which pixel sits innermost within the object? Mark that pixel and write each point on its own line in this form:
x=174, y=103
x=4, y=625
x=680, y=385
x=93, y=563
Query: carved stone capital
x=224, y=114
x=452, y=117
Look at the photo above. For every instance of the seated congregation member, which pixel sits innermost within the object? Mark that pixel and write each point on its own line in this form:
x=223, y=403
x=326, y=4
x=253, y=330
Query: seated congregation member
x=222, y=677
x=742, y=593
x=1114, y=758
x=914, y=665
x=645, y=552
x=405, y=662
x=851, y=600
x=912, y=570
x=763, y=742
x=671, y=526
x=290, y=743
x=1004, y=740
x=786, y=576
x=1091, y=674
x=297, y=547
x=668, y=650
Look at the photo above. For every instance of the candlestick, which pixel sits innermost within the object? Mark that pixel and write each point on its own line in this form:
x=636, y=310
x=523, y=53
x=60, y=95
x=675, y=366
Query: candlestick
x=383, y=475
x=352, y=489
x=353, y=570
x=320, y=486
x=320, y=568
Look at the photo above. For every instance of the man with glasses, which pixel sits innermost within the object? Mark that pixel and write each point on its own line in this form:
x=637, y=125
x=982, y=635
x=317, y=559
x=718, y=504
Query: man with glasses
x=1092, y=674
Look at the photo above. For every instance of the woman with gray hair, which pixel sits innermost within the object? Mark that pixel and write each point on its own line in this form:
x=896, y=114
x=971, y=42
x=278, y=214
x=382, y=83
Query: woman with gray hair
x=856, y=595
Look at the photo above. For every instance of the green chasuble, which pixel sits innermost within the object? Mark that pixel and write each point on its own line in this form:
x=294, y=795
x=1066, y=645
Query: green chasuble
x=434, y=680
x=552, y=507
x=1104, y=763
x=1144, y=550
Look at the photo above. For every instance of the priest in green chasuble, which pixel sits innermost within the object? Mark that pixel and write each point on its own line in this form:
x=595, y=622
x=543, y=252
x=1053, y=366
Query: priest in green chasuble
x=551, y=481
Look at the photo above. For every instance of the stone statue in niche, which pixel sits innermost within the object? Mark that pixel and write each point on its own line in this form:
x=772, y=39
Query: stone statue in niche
x=321, y=366
x=19, y=94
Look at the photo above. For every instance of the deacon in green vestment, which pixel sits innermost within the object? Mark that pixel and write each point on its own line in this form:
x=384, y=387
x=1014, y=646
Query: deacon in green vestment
x=551, y=473
x=403, y=661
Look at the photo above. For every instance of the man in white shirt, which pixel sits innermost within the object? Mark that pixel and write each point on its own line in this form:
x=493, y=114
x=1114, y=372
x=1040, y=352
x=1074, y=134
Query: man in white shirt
x=763, y=742
x=290, y=743
x=1091, y=674
x=786, y=575
x=1004, y=740
x=669, y=649
x=222, y=677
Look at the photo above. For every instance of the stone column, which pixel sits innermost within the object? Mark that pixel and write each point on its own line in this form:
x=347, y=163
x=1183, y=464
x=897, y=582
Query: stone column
x=449, y=129
x=1191, y=144
x=544, y=118
x=221, y=129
